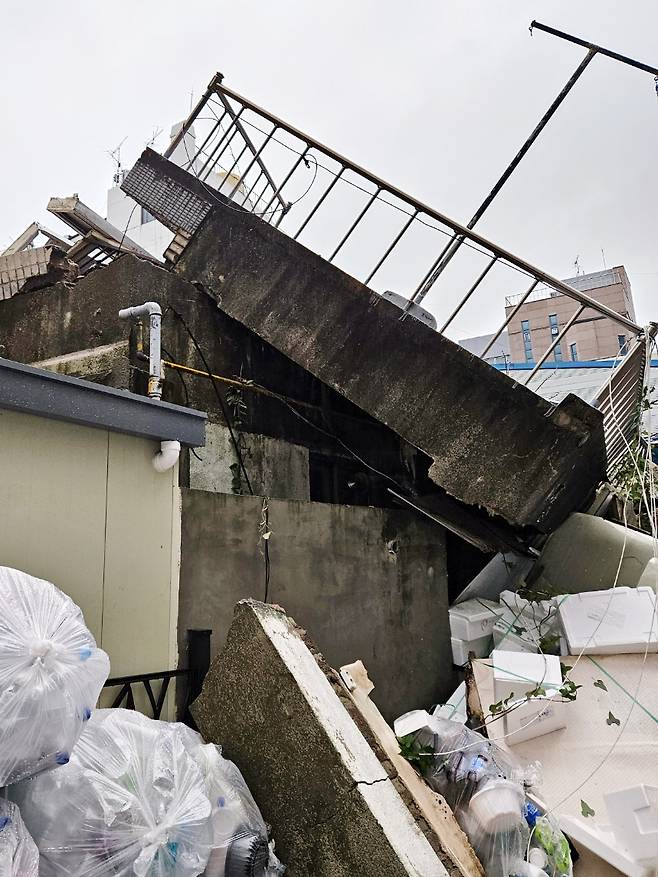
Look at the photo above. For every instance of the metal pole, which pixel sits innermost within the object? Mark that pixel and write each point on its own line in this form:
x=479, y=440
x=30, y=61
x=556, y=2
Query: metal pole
x=214, y=83
x=599, y=50
x=444, y=260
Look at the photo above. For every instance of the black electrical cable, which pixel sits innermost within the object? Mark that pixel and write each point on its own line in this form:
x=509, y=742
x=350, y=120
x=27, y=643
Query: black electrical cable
x=222, y=403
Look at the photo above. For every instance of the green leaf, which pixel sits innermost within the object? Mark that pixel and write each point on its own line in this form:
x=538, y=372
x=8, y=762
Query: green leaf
x=600, y=684
x=612, y=720
x=586, y=810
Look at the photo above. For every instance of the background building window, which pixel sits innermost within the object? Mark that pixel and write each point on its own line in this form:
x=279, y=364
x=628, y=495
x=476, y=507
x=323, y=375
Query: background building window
x=573, y=350
x=557, y=353
x=621, y=340
x=552, y=320
x=527, y=340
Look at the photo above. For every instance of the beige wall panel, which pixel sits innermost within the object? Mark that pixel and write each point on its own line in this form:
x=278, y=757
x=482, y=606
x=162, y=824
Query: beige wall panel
x=139, y=582
x=52, y=505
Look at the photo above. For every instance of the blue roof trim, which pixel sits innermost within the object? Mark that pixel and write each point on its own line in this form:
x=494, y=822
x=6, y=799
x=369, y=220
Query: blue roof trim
x=593, y=363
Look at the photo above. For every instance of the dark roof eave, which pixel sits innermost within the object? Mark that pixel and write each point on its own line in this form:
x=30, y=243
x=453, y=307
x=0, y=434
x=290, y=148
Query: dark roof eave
x=60, y=397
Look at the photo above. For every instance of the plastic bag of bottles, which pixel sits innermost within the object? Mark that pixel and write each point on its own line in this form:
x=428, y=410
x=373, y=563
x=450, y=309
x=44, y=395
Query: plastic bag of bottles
x=19, y=856
x=483, y=784
x=51, y=673
x=145, y=798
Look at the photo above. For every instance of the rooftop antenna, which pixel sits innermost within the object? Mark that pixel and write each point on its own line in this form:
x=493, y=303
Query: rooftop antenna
x=115, y=155
x=156, y=133
x=576, y=263
x=605, y=267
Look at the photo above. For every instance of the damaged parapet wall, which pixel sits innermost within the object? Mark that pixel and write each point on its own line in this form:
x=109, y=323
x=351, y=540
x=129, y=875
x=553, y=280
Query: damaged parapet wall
x=494, y=443
x=280, y=714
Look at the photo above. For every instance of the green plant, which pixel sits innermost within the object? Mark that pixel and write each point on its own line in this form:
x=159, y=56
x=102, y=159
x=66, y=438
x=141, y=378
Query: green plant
x=413, y=751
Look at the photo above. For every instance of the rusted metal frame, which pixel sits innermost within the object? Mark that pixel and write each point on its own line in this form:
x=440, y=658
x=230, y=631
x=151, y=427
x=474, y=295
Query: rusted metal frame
x=221, y=93
x=367, y=207
x=509, y=319
x=392, y=246
x=287, y=177
x=470, y=292
x=205, y=97
x=558, y=338
x=458, y=228
x=255, y=160
x=320, y=202
x=592, y=47
x=449, y=252
x=216, y=153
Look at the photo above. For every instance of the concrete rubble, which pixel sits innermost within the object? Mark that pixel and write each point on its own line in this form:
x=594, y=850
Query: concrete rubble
x=334, y=798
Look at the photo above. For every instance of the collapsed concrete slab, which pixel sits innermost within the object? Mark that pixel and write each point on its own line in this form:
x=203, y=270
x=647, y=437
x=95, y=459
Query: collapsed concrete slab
x=495, y=444
x=335, y=807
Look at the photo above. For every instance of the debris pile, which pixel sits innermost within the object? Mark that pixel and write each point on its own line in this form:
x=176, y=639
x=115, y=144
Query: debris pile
x=97, y=792
x=51, y=674
x=145, y=797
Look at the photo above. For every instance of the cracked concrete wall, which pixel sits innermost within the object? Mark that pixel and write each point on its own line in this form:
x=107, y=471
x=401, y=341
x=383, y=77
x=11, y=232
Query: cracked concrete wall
x=494, y=443
x=332, y=803
x=370, y=583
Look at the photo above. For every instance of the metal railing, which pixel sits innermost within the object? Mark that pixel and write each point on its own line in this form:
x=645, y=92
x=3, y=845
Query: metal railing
x=366, y=226
x=142, y=691
x=145, y=682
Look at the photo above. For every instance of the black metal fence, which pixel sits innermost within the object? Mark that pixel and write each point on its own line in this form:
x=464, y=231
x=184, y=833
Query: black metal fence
x=156, y=686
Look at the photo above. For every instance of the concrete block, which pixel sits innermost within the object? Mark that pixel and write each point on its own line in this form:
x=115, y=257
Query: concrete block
x=285, y=719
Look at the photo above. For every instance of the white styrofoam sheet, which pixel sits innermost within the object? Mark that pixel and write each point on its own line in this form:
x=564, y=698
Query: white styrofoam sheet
x=585, y=747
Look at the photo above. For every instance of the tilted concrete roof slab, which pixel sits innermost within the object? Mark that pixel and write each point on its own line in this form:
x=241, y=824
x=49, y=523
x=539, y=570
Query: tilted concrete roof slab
x=495, y=444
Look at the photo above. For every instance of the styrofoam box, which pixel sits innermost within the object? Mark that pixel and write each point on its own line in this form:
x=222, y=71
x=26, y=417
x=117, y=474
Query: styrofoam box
x=633, y=815
x=461, y=648
x=473, y=619
x=535, y=717
x=614, y=622
x=600, y=840
x=506, y=639
x=517, y=673
x=454, y=709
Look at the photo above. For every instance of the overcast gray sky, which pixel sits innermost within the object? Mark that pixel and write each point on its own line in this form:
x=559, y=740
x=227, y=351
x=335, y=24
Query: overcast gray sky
x=434, y=96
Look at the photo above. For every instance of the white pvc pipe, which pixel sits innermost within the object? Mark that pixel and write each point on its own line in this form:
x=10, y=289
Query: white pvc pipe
x=167, y=456
x=153, y=311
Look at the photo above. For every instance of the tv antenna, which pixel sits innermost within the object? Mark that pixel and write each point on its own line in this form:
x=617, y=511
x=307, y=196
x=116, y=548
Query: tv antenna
x=156, y=133
x=115, y=155
x=576, y=264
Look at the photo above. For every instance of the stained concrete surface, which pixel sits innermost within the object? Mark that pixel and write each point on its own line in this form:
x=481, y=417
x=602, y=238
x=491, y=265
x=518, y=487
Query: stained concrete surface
x=494, y=443
x=276, y=468
x=369, y=583
x=334, y=808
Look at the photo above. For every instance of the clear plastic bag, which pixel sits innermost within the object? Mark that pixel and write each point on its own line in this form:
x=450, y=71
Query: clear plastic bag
x=484, y=786
x=145, y=798
x=51, y=673
x=19, y=856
